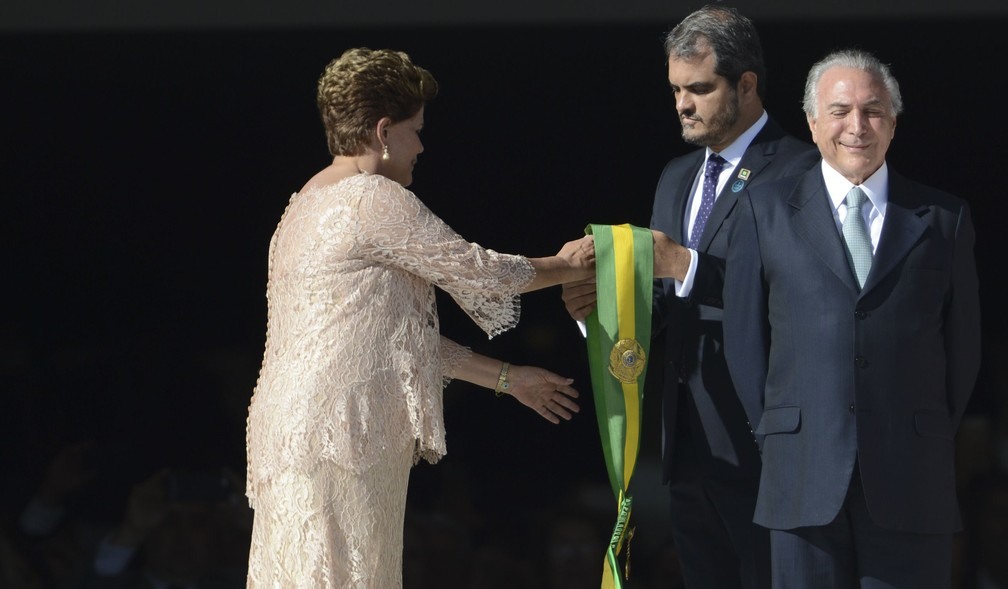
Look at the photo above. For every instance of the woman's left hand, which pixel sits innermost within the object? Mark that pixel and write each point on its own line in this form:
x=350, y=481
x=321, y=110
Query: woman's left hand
x=548, y=394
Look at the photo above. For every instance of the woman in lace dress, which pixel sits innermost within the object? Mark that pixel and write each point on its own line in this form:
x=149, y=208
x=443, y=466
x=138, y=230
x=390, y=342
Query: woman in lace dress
x=349, y=395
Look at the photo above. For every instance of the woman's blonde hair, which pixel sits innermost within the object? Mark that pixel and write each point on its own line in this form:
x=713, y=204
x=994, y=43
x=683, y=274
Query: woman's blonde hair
x=360, y=87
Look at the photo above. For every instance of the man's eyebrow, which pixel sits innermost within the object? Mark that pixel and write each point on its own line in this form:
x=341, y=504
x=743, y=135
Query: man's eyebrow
x=697, y=84
x=847, y=104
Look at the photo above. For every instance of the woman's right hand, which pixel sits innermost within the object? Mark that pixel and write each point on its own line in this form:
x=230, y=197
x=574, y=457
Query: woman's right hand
x=575, y=261
x=580, y=257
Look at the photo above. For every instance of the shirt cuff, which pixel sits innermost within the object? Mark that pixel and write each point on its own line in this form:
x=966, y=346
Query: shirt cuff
x=684, y=288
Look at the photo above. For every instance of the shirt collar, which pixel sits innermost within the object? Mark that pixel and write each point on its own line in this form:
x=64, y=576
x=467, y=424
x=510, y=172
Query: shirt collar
x=876, y=187
x=734, y=152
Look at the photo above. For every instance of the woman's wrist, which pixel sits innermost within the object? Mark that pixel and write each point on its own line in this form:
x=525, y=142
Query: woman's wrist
x=503, y=384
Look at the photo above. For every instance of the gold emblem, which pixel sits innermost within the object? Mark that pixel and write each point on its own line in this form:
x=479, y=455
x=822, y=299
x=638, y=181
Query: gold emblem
x=626, y=361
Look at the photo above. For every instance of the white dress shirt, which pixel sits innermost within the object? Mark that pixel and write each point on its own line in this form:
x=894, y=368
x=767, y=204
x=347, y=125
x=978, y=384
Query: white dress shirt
x=876, y=187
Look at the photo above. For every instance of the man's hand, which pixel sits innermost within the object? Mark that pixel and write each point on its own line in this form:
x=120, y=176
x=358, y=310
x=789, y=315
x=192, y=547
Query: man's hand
x=579, y=298
x=671, y=260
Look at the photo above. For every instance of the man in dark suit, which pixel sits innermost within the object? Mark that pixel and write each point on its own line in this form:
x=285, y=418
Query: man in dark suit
x=710, y=460
x=852, y=331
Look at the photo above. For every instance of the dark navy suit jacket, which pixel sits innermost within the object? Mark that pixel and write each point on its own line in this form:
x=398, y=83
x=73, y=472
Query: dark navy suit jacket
x=834, y=374
x=688, y=332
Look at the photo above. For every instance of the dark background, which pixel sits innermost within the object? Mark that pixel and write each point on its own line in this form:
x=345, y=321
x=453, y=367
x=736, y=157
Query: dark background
x=145, y=168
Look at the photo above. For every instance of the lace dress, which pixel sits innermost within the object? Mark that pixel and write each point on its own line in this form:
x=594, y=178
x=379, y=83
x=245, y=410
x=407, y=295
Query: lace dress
x=349, y=394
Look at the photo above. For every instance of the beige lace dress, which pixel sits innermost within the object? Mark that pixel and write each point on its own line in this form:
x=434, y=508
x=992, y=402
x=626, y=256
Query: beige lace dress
x=349, y=394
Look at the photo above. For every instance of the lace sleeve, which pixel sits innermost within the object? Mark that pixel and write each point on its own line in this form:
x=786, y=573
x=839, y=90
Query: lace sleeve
x=395, y=228
x=451, y=357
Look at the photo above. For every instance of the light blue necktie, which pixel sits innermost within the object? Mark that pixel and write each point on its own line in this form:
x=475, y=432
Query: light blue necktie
x=855, y=235
x=711, y=173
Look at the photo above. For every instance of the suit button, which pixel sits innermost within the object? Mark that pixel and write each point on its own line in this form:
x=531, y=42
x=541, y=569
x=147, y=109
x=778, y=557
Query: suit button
x=851, y=408
x=861, y=361
x=861, y=314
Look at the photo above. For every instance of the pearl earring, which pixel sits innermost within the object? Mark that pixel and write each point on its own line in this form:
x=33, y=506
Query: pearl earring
x=385, y=155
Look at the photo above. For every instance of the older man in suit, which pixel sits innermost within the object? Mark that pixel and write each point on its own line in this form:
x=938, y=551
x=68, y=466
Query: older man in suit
x=710, y=462
x=852, y=332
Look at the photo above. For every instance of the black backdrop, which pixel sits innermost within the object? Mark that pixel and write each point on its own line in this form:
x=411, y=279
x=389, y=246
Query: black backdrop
x=144, y=173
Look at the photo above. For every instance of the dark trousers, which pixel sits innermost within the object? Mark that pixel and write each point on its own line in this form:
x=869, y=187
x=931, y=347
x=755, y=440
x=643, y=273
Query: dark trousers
x=852, y=552
x=712, y=507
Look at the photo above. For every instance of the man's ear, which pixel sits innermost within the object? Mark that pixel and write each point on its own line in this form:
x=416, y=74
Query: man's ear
x=747, y=84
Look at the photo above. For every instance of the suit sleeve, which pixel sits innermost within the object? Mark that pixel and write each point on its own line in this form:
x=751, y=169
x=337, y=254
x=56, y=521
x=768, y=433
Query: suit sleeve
x=708, y=282
x=746, y=325
x=661, y=297
x=794, y=157
x=962, y=321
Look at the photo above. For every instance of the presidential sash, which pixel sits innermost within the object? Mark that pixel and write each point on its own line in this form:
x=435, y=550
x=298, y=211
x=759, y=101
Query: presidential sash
x=619, y=334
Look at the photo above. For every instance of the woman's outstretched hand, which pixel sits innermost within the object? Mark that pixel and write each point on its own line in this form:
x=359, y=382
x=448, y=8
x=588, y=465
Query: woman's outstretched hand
x=575, y=261
x=580, y=256
x=548, y=394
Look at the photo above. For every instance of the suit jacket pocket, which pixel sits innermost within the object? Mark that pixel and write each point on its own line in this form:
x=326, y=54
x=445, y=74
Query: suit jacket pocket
x=933, y=425
x=779, y=420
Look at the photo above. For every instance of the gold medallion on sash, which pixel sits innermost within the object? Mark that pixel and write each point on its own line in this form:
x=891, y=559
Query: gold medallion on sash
x=627, y=360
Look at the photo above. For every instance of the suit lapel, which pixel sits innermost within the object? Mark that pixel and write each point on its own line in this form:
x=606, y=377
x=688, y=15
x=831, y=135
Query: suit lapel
x=904, y=224
x=757, y=156
x=814, y=222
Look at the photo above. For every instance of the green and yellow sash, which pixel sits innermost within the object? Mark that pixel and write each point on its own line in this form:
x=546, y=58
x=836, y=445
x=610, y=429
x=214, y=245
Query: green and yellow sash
x=619, y=334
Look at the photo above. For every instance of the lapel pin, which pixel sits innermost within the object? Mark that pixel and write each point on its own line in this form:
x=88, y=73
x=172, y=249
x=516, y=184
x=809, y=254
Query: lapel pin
x=738, y=186
x=744, y=174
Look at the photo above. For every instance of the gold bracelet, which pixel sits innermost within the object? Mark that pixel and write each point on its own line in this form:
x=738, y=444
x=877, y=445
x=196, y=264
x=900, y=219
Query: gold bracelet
x=502, y=382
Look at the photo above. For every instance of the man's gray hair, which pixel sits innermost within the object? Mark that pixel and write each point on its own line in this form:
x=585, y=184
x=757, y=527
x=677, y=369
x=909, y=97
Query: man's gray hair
x=855, y=59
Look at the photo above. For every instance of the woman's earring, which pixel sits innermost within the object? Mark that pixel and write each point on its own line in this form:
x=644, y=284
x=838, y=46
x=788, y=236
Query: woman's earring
x=384, y=155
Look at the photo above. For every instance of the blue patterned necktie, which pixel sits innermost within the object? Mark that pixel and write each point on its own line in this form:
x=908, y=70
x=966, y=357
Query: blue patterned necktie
x=710, y=179
x=855, y=236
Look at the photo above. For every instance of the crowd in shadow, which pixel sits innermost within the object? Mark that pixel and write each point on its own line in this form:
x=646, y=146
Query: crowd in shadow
x=122, y=473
